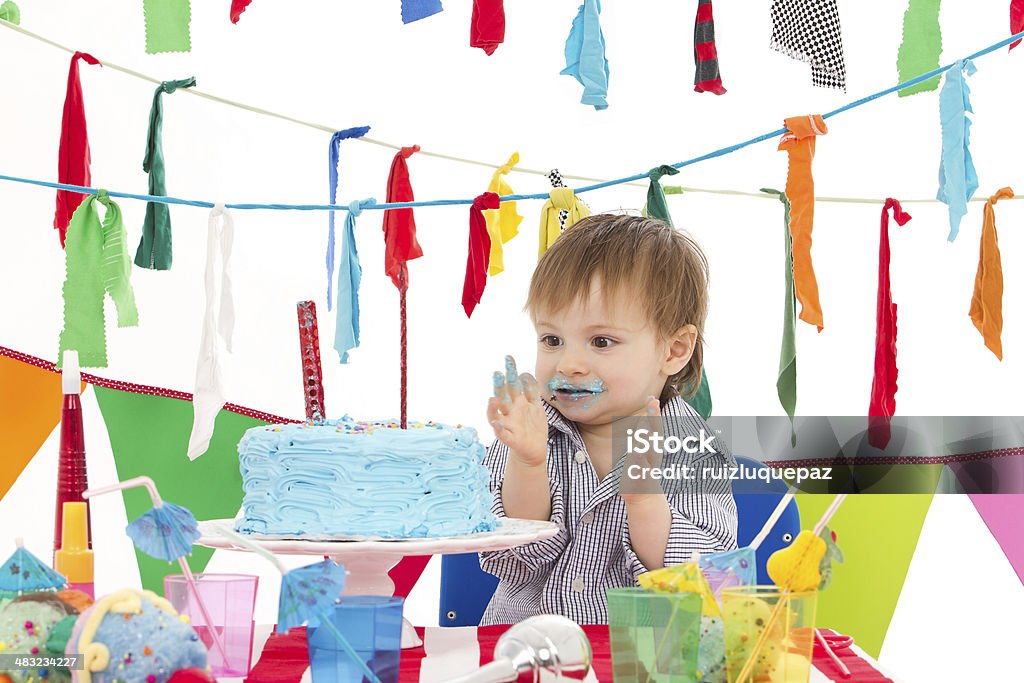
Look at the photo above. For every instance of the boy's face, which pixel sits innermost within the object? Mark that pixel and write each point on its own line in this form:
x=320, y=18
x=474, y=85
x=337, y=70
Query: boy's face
x=602, y=358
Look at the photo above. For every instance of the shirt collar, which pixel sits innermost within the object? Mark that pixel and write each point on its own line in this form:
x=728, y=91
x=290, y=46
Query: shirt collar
x=675, y=407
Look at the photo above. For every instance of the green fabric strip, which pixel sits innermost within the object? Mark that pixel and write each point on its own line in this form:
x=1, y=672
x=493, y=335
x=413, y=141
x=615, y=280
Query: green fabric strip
x=9, y=12
x=785, y=385
x=167, y=25
x=149, y=436
x=657, y=206
x=154, y=250
x=97, y=264
x=921, y=46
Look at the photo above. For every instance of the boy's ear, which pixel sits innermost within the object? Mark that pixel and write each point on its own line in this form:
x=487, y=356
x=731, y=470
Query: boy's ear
x=680, y=347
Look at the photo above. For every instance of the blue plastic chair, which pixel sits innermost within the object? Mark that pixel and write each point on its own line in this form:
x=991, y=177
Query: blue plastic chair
x=466, y=589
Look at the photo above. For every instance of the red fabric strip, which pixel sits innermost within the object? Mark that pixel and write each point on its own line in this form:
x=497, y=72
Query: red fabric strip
x=705, y=51
x=400, y=224
x=478, y=258
x=1016, y=20
x=237, y=7
x=73, y=157
x=714, y=86
x=487, y=27
x=883, y=384
x=704, y=13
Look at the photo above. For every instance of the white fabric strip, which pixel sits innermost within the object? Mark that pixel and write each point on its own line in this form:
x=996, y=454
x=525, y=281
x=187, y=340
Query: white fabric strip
x=218, y=326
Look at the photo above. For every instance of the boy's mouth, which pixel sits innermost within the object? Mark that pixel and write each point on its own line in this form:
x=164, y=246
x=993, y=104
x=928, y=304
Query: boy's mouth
x=562, y=390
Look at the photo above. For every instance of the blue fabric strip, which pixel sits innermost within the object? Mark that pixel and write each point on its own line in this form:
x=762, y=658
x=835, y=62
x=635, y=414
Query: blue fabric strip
x=585, y=57
x=414, y=10
x=332, y=169
x=350, y=273
x=958, y=181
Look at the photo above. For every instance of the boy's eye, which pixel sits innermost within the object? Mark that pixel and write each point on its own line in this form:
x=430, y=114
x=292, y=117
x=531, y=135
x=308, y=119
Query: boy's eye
x=550, y=340
x=603, y=342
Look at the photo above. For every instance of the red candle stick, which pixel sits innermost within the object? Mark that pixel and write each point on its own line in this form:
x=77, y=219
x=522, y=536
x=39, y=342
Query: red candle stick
x=312, y=376
x=403, y=342
x=71, y=472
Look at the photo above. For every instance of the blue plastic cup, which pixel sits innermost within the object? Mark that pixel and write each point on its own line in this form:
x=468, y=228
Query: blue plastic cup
x=373, y=627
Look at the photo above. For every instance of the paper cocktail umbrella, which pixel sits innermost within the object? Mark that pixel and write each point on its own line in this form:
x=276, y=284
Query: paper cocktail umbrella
x=307, y=594
x=23, y=572
x=165, y=532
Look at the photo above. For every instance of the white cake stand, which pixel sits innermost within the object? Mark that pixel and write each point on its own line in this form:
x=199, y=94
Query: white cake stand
x=368, y=561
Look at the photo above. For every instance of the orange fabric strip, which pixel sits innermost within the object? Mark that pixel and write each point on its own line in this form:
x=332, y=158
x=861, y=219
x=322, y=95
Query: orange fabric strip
x=799, y=143
x=987, y=301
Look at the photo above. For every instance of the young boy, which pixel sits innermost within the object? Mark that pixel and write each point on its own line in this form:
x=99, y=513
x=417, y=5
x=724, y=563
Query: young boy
x=619, y=304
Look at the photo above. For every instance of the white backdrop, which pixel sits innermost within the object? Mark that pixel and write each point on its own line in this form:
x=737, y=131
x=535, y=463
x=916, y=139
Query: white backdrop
x=343, y=64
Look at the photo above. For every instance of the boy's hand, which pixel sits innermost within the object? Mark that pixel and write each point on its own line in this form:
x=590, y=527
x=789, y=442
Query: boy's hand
x=517, y=415
x=646, y=490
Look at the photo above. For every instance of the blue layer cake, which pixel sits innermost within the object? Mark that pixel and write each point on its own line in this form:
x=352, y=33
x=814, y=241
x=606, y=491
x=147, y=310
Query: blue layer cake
x=352, y=478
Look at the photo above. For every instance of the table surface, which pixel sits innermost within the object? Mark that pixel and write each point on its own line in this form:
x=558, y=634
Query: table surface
x=450, y=652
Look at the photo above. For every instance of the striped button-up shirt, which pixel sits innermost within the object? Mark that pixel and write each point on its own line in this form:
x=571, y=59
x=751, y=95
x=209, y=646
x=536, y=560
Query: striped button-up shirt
x=568, y=573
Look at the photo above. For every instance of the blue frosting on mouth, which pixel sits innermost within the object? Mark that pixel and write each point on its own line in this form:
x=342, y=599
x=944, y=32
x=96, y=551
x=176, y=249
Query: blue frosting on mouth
x=560, y=386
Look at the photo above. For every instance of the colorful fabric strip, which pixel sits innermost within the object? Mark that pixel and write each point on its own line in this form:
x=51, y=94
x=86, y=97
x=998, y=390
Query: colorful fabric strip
x=958, y=181
x=73, y=157
x=487, y=27
x=333, y=149
x=167, y=25
x=414, y=10
x=585, y=55
x=657, y=205
x=987, y=299
x=479, y=252
x=705, y=55
x=400, y=224
x=883, y=383
x=1016, y=20
x=562, y=199
x=350, y=273
x=155, y=250
x=503, y=223
x=10, y=13
x=237, y=7
x=785, y=385
x=97, y=264
x=922, y=44
x=218, y=328
x=799, y=144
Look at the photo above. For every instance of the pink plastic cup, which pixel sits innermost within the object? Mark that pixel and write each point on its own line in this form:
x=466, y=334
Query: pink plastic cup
x=230, y=600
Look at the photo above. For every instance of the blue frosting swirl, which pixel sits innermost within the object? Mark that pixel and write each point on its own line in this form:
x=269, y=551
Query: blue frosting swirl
x=345, y=477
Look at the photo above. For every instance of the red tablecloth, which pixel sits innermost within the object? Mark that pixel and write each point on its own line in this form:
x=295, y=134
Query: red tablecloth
x=285, y=658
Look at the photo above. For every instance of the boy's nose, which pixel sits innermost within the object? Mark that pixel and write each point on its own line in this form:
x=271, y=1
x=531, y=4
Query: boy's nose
x=570, y=364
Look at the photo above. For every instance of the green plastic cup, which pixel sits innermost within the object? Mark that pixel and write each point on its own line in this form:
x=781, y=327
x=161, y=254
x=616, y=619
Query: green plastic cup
x=654, y=636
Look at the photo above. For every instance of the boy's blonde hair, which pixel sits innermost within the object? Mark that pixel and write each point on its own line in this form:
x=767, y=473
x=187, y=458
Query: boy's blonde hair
x=637, y=259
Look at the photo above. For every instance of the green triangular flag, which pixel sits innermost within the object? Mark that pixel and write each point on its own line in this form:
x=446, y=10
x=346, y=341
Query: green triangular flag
x=878, y=534
x=149, y=436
